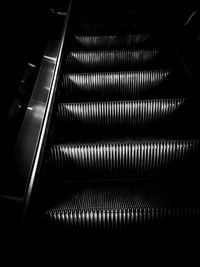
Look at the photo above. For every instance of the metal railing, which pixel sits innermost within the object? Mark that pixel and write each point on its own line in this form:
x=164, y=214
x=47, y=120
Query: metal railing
x=31, y=140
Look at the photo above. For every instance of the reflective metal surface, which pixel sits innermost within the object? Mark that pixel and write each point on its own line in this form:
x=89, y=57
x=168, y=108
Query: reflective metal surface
x=30, y=133
x=31, y=139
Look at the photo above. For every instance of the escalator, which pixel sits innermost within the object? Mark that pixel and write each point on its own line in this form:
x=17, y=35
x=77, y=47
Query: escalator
x=119, y=141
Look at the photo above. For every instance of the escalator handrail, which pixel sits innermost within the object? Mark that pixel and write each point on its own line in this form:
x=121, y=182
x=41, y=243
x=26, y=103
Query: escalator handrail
x=31, y=140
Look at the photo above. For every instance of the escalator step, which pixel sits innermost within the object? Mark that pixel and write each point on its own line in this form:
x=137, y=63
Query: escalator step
x=115, y=207
x=121, y=84
x=117, y=218
x=111, y=41
x=135, y=158
x=113, y=59
x=119, y=113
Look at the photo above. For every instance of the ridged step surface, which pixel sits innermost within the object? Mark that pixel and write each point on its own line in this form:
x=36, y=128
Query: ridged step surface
x=129, y=113
x=110, y=59
x=118, y=206
x=112, y=84
x=135, y=158
x=117, y=218
x=111, y=41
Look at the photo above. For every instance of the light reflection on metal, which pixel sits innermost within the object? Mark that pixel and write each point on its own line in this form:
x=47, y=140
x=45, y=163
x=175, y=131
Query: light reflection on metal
x=29, y=135
x=32, y=65
x=30, y=140
x=58, y=12
x=47, y=88
x=38, y=111
x=50, y=58
x=190, y=18
x=42, y=102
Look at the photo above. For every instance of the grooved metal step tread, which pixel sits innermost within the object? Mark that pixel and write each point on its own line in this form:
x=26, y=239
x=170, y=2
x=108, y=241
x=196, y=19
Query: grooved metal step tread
x=112, y=59
x=111, y=41
x=112, y=84
x=118, y=206
x=135, y=113
x=131, y=158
